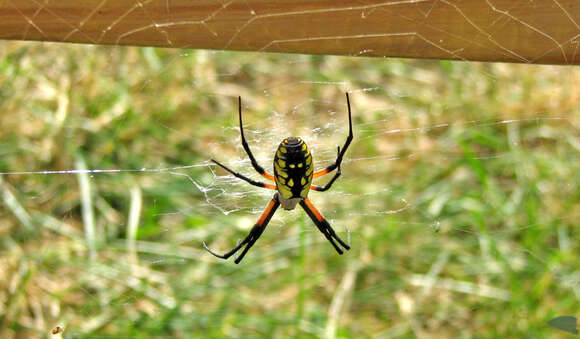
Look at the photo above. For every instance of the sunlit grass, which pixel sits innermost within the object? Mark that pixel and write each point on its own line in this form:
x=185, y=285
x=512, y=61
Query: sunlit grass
x=460, y=194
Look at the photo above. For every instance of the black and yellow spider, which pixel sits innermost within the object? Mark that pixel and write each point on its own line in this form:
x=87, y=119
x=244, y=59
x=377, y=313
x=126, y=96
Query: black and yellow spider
x=293, y=173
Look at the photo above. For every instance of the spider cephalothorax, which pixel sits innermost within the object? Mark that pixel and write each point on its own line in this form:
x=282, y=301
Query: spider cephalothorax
x=293, y=174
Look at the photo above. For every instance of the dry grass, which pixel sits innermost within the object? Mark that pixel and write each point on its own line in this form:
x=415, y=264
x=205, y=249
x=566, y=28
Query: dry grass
x=460, y=192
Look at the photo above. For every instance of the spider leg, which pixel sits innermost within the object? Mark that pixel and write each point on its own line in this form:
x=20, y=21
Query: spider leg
x=329, y=184
x=255, y=164
x=344, y=148
x=255, y=233
x=323, y=225
x=243, y=177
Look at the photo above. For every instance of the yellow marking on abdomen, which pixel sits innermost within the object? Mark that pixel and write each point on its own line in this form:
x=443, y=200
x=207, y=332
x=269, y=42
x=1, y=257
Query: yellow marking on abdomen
x=285, y=191
x=279, y=171
x=304, y=191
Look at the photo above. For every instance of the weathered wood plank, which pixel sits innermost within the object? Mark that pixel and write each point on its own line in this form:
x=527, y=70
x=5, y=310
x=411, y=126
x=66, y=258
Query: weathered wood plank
x=486, y=30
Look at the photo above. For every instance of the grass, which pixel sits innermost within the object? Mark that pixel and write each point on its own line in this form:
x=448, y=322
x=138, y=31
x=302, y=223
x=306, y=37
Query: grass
x=460, y=191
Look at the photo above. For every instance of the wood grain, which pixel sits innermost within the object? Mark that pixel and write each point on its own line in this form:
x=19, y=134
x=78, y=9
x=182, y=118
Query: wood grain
x=522, y=31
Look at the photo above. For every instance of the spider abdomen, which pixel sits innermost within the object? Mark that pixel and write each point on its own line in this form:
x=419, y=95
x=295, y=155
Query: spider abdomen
x=293, y=169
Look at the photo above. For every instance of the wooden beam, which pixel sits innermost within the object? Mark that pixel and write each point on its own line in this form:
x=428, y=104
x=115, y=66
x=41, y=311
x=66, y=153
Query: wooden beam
x=546, y=31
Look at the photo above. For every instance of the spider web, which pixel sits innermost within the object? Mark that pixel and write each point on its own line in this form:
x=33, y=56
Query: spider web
x=460, y=184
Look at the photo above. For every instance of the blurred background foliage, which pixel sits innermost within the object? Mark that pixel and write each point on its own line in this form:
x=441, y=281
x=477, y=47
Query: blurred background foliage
x=460, y=192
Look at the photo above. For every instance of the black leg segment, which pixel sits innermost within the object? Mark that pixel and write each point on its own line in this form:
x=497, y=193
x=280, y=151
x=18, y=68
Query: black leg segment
x=344, y=148
x=255, y=164
x=329, y=184
x=323, y=225
x=243, y=177
x=255, y=233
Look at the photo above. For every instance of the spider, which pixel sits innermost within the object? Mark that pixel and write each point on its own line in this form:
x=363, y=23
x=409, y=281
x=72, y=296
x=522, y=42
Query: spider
x=293, y=173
